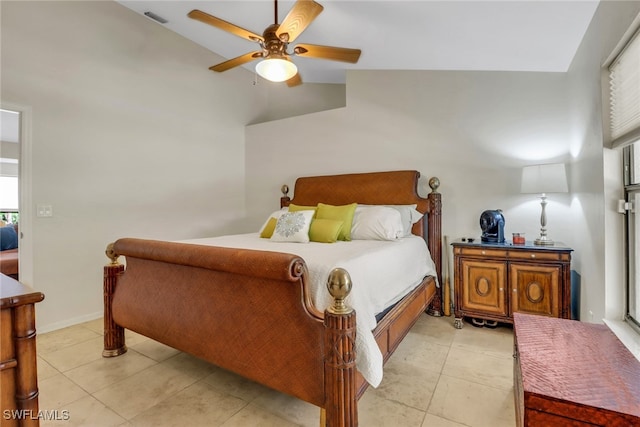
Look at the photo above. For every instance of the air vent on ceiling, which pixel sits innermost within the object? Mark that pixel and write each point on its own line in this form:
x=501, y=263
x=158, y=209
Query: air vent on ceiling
x=155, y=17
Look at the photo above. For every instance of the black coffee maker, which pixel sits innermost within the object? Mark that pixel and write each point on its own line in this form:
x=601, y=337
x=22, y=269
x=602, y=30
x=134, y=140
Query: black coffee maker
x=492, y=225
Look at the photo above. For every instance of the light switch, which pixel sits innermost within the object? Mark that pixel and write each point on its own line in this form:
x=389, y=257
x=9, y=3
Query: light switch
x=44, y=211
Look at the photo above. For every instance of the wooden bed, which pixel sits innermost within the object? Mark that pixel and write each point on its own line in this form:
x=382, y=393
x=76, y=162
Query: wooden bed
x=248, y=311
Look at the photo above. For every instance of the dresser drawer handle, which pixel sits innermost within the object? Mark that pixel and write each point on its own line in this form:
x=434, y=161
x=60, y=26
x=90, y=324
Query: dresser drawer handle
x=533, y=255
x=484, y=252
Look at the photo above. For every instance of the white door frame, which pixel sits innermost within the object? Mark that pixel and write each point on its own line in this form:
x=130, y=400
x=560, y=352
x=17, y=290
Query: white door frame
x=25, y=248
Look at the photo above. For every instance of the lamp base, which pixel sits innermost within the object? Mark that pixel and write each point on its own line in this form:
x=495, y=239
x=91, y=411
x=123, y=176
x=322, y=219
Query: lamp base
x=543, y=241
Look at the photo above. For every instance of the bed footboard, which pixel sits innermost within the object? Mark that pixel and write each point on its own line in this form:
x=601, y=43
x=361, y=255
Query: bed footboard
x=243, y=310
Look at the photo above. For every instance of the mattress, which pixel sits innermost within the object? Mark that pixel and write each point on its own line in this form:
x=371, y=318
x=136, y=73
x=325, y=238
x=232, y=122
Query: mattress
x=382, y=273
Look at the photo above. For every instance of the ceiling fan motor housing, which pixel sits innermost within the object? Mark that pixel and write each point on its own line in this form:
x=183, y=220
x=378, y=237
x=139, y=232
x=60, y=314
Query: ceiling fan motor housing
x=273, y=46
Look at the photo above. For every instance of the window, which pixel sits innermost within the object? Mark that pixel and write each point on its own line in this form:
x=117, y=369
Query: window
x=624, y=101
x=632, y=197
x=624, y=131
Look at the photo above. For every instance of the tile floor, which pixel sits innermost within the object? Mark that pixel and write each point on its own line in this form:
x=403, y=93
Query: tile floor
x=439, y=376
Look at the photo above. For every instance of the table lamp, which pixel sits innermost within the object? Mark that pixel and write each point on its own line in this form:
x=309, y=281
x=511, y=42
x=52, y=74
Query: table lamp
x=543, y=179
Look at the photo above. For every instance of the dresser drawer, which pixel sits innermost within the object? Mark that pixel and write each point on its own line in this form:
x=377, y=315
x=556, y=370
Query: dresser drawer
x=482, y=252
x=539, y=255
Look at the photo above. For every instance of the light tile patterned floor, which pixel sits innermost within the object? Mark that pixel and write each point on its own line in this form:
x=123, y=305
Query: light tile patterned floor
x=439, y=376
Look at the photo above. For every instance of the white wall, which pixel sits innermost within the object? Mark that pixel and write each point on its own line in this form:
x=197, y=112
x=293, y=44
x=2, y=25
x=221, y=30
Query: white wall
x=596, y=178
x=127, y=139
x=307, y=98
x=131, y=135
x=474, y=130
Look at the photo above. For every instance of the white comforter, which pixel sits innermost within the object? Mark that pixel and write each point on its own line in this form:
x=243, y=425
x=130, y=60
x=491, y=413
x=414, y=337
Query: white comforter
x=382, y=272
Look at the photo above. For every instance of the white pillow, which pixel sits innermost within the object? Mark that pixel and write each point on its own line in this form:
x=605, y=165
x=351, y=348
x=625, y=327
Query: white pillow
x=376, y=223
x=293, y=227
x=275, y=215
x=408, y=214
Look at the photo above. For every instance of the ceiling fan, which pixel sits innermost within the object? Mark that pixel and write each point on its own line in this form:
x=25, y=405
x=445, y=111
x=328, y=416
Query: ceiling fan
x=276, y=64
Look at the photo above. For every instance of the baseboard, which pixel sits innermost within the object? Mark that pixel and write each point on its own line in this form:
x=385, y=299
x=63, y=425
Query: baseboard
x=68, y=322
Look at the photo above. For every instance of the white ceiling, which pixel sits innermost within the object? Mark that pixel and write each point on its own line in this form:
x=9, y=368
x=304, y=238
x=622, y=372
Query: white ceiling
x=511, y=35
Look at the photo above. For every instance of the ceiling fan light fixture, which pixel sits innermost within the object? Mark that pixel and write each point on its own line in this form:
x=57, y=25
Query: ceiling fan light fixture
x=276, y=69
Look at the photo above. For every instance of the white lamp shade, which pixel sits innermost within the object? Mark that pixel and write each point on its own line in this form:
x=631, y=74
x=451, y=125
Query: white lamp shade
x=549, y=178
x=276, y=69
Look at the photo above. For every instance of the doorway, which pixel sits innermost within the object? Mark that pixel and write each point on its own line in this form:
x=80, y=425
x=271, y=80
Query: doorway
x=15, y=182
x=9, y=191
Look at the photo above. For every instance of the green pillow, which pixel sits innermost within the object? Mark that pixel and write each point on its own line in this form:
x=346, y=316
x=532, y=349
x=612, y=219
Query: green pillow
x=324, y=230
x=295, y=208
x=342, y=213
x=268, y=229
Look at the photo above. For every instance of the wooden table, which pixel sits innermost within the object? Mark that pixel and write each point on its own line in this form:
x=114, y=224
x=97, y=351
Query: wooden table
x=570, y=373
x=18, y=362
x=494, y=280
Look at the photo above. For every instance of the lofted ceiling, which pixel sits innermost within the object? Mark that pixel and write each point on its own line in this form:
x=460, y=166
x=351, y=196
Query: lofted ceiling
x=506, y=35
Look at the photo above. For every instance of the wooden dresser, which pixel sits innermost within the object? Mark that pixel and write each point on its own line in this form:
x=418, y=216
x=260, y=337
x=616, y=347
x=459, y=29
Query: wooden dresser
x=18, y=362
x=570, y=373
x=492, y=281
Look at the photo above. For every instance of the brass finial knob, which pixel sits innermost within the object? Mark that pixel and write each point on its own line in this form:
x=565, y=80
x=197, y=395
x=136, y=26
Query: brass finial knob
x=111, y=254
x=434, y=183
x=339, y=285
x=285, y=190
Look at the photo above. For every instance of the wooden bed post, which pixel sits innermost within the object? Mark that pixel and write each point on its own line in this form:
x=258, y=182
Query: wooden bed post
x=114, y=344
x=285, y=199
x=435, y=244
x=341, y=403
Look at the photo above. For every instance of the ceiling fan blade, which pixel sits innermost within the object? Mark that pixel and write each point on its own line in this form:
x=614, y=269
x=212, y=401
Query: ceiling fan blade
x=294, y=81
x=226, y=65
x=328, y=52
x=299, y=17
x=223, y=25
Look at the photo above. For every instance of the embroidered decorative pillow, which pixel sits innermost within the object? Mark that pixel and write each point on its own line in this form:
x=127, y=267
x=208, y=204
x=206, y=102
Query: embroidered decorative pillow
x=293, y=227
x=267, y=228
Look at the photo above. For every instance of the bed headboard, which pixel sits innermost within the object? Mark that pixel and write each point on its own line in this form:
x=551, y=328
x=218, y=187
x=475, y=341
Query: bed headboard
x=379, y=188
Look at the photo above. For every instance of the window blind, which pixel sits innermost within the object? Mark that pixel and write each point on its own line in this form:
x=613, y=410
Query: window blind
x=624, y=101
